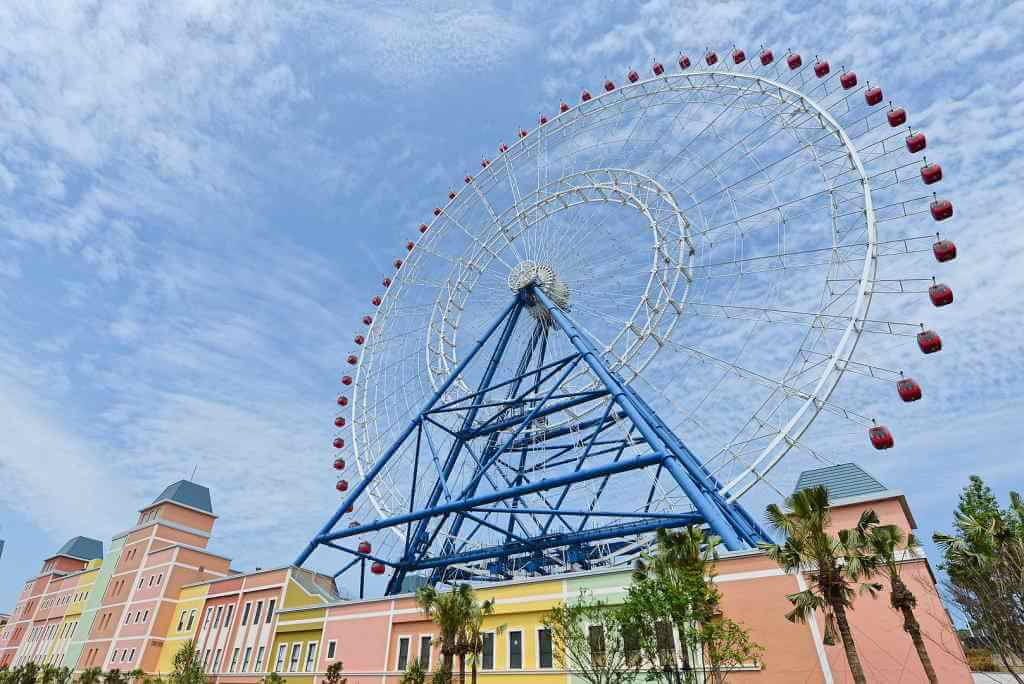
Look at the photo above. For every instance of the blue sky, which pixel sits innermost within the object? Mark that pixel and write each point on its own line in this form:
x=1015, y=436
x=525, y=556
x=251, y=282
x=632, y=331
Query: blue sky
x=197, y=200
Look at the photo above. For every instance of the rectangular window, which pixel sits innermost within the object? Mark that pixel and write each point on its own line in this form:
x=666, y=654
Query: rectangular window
x=280, y=657
x=131, y=658
x=256, y=613
x=544, y=655
x=631, y=647
x=138, y=617
x=227, y=616
x=206, y=658
x=209, y=615
x=310, y=656
x=245, y=613
x=595, y=635
x=234, y=660
x=515, y=650
x=127, y=618
x=152, y=578
x=331, y=646
x=181, y=620
x=270, y=610
x=159, y=579
x=293, y=664
x=216, y=659
x=216, y=617
x=425, y=642
x=142, y=580
x=145, y=616
x=245, y=658
x=665, y=642
x=403, y=654
x=191, y=618
x=487, y=661
x=259, y=659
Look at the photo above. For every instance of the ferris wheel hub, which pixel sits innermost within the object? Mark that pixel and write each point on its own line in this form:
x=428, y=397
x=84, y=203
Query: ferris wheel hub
x=527, y=273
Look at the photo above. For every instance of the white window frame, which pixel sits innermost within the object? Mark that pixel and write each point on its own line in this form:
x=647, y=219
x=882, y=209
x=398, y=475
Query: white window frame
x=430, y=651
x=295, y=657
x=551, y=638
x=494, y=650
x=257, y=612
x=216, y=616
x=234, y=659
x=218, y=654
x=282, y=657
x=258, y=665
x=246, y=659
x=270, y=611
x=398, y=653
x=508, y=648
x=332, y=649
x=245, y=612
x=311, y=654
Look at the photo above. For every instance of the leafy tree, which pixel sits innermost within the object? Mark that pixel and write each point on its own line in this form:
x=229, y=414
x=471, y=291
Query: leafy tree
x=187, y=668
x=114, y=676
x=450, y=610
x=984, y=559
x=90, y=676
x=136, y=675
x=334, y=673
x=885, y=544
x=26, y=674
x=414, y=674
x=833, y=562
x=470, y=643
x=673, y=593
x=272, y=678
x=587, y=637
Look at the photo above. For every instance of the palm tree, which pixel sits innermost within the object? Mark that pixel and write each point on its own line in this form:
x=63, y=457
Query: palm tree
x=885, y=542
x=470, y=642
x=834, y=563
x=90, y=676
x=449, y=610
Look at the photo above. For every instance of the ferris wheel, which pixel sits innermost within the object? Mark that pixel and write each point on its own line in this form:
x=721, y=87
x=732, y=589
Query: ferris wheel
x=630, y=314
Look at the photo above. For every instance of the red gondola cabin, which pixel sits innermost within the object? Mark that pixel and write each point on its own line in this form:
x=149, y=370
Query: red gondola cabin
x=711, y=58
x=364, y=547
x=821, y=69
x=916, y=142
x=563, y=108
x=944, y=250
x=881, y=438
x=942, y=209
x=767, y=57
x=908, y=389
x=342, y=486
x=352, y=359
x=338, y=443
x=424, y=227
x=339, y=421
x=684, y=62
x=739, y=56
x=397, y=263
x=585, y=95
x=386, y=282
x=897, y=117
x=658, y=69
x=346, y=380
x=543, y=119
x=873, y=96
x=376, y=300
x=940, y=294
x=377, y=568
x=609, y=86
x=339, y=464
x=931, y=173
x=929, y=341
x=342, y=400
x=848, y=80
x=359, y=339
x=794, y=61
x=633, y=76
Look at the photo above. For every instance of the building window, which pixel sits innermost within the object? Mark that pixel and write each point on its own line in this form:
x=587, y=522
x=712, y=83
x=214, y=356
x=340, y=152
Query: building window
x=152, y=578
x=127, y=618
x=403, y=654
x=181, y=620
x=311, y=656
x=159, y=579
x=293, y=664
x=145, y=616
x=191, y=618
x=216, y=617
x=142, y=580
x=227, y=616
x=425, y=642
x=665, y=642
x=270, y=610
x=256, y=613
x=138, y=616
x=259, y=660
x=245, y=613
x=216, y=659
x=595, y=635
x=487, y=661
x=209, y=615
x=245, y=658
x=331, y=646
x=131, y=658
x=234, y=660
x=515, y=650
x=280, y=657
x=206, y=658
x=544, y=655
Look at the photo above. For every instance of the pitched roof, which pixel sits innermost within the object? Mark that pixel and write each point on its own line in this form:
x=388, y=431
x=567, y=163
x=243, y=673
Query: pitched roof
x=82, y=548
x=188, y=494
x=842, y=481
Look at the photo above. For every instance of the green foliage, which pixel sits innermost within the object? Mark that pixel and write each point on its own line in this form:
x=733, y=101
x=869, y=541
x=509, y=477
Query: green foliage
x=835, y=564
x=334, y=671
x=90, y=676
x=673, y=594
x=27, y=673
x=984, y=558
x=414, y=674
x=114, y=676
x=459, y=617
x=272, y=678
x=589, y=638
x=187, y=668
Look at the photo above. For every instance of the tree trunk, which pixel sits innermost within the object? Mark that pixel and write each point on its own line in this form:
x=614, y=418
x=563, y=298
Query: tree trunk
x=912, y=628
x=472, y=667
x=462, y=668
x=851, y=649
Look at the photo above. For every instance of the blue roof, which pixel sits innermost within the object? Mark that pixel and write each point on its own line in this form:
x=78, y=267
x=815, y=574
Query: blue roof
x=187, y=494
x=82, y=548
x=842, y=481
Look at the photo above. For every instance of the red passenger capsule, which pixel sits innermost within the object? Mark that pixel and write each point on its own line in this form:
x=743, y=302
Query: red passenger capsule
x=881, y=438
x=376, y=300
x=424, y=227
x=339, y=464
x=908, y=389
x=359, y=339
x=632, y=76
x=409, y=245
x=386, y=282
x=468, y=179
x=342, y=486
x=339, y=421
x=377, y=568
x=585, y=95
x=523, y=133
x=684, y=62
x=941, y=209
x=397, y=263
x=944, y=250
x=739, y=56
x=873, y=96
x=342, y=400
x=609, y=86
x=711, y=58
x=794, y=61
x=658, y=69
x=338, y=443
x=543, y=119
x=563, y=108
x=503, y=147
x=352, y=359
x=364, y=547
x=367, y=320
x=346, y=380
x=484, y=163
x=437, y=211
x=929, y=341
x=350, y=508
x=821, y=69
x=451, y=194
x=767, y=57
x=940, y=294
x=916, y=142
x=848, y=80
x=931, y=173
x=897, y=117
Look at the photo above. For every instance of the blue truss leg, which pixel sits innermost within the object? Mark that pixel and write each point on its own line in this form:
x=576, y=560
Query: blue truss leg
x=704, y=501
x=515, y=307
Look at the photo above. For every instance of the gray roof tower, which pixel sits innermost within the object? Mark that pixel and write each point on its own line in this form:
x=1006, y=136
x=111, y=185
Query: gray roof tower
x=188, y=494
x=842, y=481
